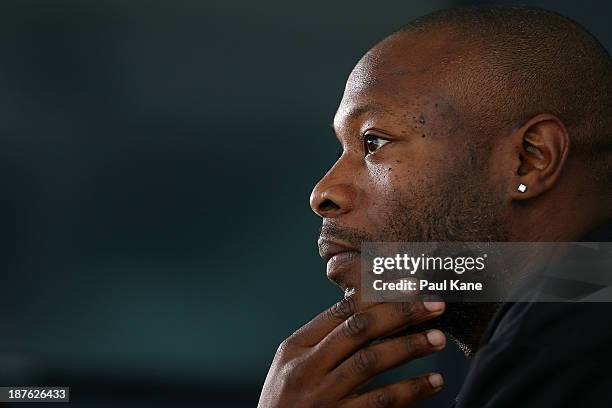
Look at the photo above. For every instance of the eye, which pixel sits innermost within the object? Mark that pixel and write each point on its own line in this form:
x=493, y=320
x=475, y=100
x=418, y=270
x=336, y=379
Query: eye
x=373, y=142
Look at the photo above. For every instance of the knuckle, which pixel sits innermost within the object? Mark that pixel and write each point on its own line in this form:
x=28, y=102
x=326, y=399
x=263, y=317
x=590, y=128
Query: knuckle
x=293, y=374
x=364, y=361
x=405, y=309
x=417, y=388
x=343, y=376
x=343, y=309
x=381, y=399
x=284, y=347
x=356, y=324
x=411, y=346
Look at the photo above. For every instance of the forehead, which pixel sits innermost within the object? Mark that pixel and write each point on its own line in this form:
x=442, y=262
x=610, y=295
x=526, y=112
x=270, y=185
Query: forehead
x=400, y=75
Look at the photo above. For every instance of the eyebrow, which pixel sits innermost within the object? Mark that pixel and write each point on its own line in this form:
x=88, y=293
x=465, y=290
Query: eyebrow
x=366, y=107
x=363, y=108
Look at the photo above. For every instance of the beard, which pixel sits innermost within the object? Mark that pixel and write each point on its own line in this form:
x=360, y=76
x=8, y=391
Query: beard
x=469, y=210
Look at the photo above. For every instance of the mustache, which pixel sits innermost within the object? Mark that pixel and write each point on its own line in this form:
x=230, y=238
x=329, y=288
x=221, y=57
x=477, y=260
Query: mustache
x=352, y=236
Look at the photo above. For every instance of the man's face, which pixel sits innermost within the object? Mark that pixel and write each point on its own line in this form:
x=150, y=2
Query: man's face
x=410, y=170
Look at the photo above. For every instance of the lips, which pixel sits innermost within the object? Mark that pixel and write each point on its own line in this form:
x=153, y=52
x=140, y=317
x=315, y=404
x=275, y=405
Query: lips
x=329, y=248
x=341, y=260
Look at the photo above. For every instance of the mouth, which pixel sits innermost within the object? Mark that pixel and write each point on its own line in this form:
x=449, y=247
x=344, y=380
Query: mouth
x=331, y=248
x=340, y=258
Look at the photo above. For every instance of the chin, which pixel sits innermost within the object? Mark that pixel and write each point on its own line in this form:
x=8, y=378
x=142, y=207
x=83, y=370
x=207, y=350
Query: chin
x=464, y=323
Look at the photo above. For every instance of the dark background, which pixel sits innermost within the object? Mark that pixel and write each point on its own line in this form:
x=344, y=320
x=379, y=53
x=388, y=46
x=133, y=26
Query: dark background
x=157, y=159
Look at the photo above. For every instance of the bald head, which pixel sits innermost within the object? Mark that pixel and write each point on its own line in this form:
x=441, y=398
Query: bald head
x=502, y=65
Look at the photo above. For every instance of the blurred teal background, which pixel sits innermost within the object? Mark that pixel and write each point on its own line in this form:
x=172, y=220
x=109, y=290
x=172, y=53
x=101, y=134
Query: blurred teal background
x=157, y=159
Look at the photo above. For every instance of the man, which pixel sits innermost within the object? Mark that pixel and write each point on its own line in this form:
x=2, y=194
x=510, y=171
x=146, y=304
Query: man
x=474, y=124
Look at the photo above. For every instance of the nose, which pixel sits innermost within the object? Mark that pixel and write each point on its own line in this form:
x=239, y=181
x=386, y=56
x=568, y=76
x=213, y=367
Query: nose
x=333, y=195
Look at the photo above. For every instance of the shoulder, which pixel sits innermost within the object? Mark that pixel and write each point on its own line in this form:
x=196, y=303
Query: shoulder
x=544, y=354
x=565, y=325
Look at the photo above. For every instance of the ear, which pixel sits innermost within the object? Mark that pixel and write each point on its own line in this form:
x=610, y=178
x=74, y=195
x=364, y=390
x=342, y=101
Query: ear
x=542, y=145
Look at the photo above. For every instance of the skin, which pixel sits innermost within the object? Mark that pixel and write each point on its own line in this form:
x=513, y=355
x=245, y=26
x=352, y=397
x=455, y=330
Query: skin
x=428, y=173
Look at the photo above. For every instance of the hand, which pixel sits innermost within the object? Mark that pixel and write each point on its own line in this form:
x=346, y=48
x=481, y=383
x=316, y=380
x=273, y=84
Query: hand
x=323, y=363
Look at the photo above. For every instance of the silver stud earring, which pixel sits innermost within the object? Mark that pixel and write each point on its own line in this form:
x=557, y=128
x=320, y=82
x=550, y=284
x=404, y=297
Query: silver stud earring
x=522, y=188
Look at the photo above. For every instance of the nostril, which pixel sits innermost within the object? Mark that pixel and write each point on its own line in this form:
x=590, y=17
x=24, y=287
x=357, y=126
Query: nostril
x=328, y=205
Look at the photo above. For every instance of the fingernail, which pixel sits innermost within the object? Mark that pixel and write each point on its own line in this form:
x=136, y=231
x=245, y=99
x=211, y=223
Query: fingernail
x=434, y=306
x=436, y=338
x=436, y=380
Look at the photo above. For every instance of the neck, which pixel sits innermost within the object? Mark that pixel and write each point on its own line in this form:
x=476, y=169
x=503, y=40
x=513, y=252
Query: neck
x=565, y=213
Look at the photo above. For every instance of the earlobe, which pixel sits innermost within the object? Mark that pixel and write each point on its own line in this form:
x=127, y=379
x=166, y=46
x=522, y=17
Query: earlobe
x=542, y=147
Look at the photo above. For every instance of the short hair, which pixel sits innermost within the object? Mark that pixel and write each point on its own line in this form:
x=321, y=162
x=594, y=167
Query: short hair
x=532, y=61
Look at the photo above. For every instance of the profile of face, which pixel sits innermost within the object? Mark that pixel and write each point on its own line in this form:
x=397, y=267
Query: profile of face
x=410, y=168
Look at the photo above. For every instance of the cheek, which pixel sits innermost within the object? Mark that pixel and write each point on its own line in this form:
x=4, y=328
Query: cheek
x=400, y=174
x=398, y=182
x=387, y=186
x=407, y=177
x=385, y=177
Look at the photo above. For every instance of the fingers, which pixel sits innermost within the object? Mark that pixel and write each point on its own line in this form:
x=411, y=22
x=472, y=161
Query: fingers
x=364, y=326
x=398, y=395
x=322, y=361
x=373, y=360
x=319, y=327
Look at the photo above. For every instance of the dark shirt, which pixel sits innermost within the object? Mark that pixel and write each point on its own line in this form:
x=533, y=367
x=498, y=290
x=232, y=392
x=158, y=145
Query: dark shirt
x=544, y=354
